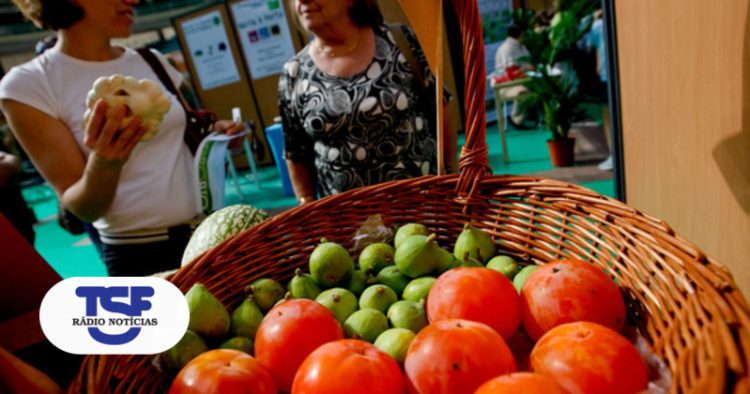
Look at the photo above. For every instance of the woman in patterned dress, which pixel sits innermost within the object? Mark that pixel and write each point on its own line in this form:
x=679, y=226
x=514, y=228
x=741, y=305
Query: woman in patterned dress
x=351, y=109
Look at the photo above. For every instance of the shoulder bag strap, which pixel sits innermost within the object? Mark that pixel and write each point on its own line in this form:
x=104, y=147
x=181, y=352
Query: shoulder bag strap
x=398, y=34
x=192, y=136
x=161, y=72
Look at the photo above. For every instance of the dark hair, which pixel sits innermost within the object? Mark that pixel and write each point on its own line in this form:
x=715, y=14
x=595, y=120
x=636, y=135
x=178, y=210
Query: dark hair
x=50, y=14
x=366, y=13
x=514, y=31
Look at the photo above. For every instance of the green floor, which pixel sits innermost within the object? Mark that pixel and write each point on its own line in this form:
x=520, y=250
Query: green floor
x=76, y=256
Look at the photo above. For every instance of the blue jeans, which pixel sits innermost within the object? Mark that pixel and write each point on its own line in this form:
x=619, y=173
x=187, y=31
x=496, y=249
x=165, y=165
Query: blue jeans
x=147, y=258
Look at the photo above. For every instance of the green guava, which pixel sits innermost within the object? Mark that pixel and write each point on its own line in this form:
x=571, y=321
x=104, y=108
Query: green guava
x=375, y=257
x=378, y=297
x=330, y=264
x=303, y=286
x=357, y=282
x=267, y=292
x=208, y=316
x=446, y=261
x=418, y=289
x=418, y=255
x=366, y=324
x=395, y=342
x=242, y=344
x=522, y=275
x=246, y=318
x=190, y=345
x=392, y=277
x=476, y=242
x=341, y=302
x=504, y=265
x=471, y=262
x=408, y=314
x=408, y=230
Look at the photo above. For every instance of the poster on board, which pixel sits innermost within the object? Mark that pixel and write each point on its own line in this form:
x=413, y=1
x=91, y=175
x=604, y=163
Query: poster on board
x=263, y=30
x=208, y=45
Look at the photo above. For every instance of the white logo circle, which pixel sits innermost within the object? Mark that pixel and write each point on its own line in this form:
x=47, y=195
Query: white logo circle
x=114, y=315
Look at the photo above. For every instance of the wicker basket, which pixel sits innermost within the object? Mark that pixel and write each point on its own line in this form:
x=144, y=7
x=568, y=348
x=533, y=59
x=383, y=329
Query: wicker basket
x=685, y=304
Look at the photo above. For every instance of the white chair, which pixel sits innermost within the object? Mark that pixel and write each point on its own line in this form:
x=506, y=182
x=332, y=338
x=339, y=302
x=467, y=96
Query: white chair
x=250, y=160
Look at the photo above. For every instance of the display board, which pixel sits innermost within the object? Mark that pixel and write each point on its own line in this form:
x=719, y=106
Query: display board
x=268, y=37
x=264, y=35
x=215, y=62
x=207, y=43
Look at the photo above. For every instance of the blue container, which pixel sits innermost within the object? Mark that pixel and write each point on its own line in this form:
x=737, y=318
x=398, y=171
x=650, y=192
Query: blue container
x=275, y=137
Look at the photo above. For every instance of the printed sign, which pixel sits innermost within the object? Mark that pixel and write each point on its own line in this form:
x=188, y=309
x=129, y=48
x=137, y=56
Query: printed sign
x=264, y=33
x=208, y=45
x=114, y=315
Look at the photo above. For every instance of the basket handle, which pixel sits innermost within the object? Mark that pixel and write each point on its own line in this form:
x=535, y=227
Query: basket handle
x=473, y=162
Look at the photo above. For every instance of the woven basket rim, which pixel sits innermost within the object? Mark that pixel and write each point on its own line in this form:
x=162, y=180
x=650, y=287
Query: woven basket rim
x=713, y=283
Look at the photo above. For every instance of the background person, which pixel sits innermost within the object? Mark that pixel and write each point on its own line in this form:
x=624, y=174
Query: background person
x=351, y=111
x=596, y=43
x=512, y=53
x=141, y=196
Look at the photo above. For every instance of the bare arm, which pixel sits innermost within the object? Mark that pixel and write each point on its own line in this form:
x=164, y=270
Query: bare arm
x=299, y=174
x=86, y=185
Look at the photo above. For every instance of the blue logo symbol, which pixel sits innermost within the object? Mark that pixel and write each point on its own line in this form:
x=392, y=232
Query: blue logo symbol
x=102, y=296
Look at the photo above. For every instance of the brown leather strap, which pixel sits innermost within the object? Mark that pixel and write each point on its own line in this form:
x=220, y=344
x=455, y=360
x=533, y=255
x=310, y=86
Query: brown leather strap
x=403, y=45
x=191, y=138
x=161, y=72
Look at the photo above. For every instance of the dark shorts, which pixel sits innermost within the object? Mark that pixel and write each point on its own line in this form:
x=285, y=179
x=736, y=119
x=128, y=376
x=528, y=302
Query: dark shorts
x=147, y=258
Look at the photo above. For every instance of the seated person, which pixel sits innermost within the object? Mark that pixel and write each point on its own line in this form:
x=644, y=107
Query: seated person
x=512, y=53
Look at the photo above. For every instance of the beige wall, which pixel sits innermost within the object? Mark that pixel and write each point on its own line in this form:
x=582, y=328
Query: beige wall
x=685, y=100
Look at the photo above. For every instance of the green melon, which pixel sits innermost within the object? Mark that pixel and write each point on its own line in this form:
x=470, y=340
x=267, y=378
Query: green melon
x=220, y=226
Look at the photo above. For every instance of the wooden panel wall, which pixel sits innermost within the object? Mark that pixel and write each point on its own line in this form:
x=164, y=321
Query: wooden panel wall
x=685, y=100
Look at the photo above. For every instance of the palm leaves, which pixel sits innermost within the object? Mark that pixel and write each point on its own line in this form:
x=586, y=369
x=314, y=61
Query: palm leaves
x=556, y=96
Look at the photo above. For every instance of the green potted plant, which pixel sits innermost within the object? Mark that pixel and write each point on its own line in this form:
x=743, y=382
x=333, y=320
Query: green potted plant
x=552, y=93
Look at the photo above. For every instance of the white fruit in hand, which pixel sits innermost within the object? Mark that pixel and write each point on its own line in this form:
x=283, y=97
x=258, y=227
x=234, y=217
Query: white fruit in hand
x=144, y=98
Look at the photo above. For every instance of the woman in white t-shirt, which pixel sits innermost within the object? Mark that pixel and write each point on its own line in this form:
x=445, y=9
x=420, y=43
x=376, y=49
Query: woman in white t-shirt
x=139, y=195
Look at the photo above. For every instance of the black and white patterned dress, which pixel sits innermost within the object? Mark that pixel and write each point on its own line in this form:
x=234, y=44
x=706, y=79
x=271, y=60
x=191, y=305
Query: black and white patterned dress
x=359, y=130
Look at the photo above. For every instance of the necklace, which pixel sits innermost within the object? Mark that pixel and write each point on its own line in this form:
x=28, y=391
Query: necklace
x=329, y=52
